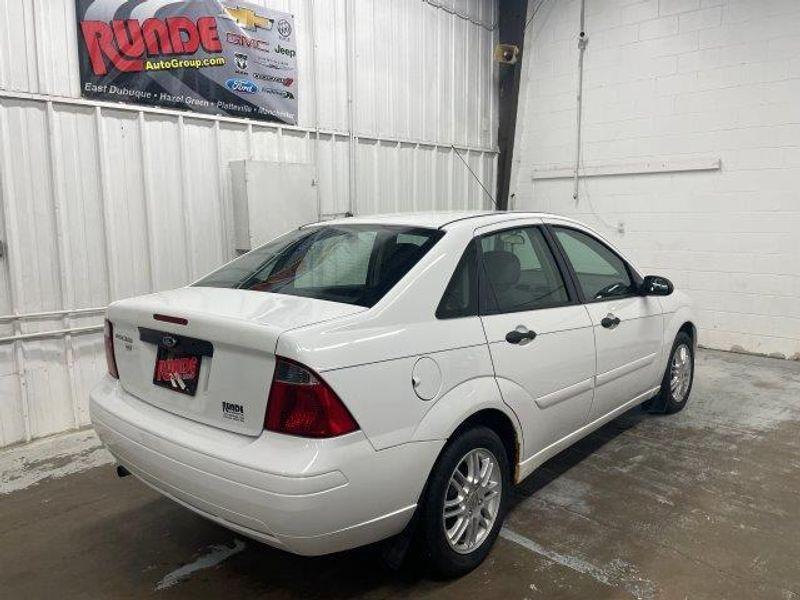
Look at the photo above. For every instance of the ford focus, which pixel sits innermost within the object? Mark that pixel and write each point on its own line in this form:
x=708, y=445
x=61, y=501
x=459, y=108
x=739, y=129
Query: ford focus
x=373, y=377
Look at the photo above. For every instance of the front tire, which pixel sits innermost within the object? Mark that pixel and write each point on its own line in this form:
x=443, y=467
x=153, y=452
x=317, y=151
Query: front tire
x=465, y=502
x=676, y=386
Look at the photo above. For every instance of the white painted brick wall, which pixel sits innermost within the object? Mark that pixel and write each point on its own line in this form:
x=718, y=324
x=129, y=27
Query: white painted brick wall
x=670, y=79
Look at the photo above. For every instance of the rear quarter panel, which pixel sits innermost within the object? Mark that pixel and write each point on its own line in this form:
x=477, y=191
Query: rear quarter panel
x=382, y=399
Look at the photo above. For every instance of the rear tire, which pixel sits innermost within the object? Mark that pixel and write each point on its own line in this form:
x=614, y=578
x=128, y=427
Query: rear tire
x=676, y=385
x=465, y=502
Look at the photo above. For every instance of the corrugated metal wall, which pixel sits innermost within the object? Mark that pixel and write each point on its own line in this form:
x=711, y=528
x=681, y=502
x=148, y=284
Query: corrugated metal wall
x=103, y=201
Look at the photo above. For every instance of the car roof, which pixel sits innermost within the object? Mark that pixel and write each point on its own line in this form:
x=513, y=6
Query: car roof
x=442, y=219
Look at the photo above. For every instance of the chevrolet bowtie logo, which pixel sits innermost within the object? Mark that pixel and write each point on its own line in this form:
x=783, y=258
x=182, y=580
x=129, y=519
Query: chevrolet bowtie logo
x=248, y=19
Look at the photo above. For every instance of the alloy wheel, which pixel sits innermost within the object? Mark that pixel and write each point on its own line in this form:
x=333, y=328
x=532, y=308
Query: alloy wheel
x=472, y=500
x=680, y=373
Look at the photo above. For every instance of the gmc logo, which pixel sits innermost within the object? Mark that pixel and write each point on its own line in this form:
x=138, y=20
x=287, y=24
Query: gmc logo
x=125, y=43
x=238, y=39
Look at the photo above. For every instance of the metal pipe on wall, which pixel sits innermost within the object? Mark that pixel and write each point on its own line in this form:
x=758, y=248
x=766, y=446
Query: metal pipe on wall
x=583, y=40
x=350, y=42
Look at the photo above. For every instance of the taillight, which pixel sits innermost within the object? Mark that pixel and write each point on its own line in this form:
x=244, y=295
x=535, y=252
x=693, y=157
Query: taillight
x=111, y=360
x=301, y=403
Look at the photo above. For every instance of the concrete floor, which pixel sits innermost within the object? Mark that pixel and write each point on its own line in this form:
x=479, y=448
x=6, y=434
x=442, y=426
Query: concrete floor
x=704, y=504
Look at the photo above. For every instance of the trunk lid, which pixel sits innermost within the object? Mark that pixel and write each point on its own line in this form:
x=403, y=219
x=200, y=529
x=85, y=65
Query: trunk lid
x=233, y=335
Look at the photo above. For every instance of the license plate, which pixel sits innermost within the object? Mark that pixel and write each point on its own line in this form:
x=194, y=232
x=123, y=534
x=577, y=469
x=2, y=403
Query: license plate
x=177, y=370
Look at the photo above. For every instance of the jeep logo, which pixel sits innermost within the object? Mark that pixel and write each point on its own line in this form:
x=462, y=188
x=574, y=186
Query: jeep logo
x=287, y=51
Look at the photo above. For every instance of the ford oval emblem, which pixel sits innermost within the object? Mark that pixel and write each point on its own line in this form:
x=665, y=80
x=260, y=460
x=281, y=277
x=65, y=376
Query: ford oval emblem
x=244, y=86
x=168, y=341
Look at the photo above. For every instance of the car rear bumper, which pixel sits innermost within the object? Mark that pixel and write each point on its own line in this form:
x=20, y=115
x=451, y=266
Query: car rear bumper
x=306, y=496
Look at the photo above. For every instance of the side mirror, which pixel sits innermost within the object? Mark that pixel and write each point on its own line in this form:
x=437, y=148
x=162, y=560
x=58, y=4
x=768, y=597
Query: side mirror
x=655, y=285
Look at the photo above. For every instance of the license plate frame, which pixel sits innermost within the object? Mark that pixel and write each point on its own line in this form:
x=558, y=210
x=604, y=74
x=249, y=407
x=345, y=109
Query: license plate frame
x=178, y=360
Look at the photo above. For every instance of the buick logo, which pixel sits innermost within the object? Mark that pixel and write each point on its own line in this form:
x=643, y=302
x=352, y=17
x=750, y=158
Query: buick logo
x=168, y=341
x=284, y=28
x=241, y=85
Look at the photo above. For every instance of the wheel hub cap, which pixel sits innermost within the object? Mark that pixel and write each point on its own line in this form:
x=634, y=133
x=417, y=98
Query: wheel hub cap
x=680, y=373
x=472, y=500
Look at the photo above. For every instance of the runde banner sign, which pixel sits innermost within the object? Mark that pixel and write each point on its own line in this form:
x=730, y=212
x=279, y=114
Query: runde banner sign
x=210, y=56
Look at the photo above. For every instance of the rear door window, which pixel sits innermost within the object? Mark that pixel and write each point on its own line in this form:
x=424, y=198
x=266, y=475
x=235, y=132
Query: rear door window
x=521, y=272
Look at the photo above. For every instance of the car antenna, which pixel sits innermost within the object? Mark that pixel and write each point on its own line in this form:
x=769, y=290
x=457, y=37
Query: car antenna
x=471, y=172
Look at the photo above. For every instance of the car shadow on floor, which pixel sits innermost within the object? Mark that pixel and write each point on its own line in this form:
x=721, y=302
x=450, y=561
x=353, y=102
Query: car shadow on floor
x=575, y=454
x=363, y=571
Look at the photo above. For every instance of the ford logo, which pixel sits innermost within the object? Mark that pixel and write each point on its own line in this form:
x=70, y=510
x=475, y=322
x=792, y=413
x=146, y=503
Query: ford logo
x=242, y=86
x=168, y=341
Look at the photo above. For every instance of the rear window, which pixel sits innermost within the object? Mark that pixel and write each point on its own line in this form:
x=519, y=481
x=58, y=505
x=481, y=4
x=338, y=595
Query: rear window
x=354, y=264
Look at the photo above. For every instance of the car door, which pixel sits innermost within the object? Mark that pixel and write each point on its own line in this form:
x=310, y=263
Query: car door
x=628, y=326
x=540, y=336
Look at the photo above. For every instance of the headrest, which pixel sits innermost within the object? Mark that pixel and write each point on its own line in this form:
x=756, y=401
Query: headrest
x=502, y=267
x=401, y=254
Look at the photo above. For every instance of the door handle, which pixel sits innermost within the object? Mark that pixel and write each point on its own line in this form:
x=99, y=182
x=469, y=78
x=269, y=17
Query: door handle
x=610, y=321
x=520, y=335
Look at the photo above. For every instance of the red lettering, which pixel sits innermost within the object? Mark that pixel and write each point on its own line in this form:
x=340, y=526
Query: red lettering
x=156, y=37
x=99, y=37
x=124, y=43
x=128, y=34
x=178, y=26
x=185, y=367
x=209, y=36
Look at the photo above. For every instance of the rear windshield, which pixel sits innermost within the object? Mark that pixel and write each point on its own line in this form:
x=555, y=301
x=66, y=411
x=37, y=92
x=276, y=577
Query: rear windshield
x=354, y=264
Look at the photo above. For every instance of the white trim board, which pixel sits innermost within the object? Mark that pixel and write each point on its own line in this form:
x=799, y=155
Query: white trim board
x=643, y=167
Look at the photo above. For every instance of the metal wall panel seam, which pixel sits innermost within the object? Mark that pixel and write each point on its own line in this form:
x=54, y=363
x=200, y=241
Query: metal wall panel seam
x=350, y=80
x=71, y=16
x=149, y=209
x=15, y=277
x=315, y=83
x=3, y=75
x=191, y=266
x=415, y=179
x=42, y=76
x=30, y=30
x=105, y=192
x=466, y=95
x=62, y=252
x=224, y=200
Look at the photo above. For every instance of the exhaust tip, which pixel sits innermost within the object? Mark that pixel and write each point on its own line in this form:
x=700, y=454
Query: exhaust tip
x=122, y=471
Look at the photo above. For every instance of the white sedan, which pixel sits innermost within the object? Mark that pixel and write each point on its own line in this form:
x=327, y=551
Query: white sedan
x=357, y=379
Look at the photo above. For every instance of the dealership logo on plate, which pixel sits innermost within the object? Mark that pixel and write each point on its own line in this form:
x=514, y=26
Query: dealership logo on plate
x=242, y=86
x=232, y=411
